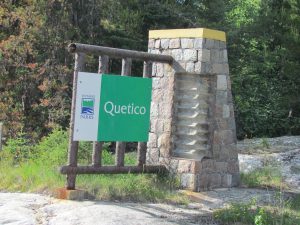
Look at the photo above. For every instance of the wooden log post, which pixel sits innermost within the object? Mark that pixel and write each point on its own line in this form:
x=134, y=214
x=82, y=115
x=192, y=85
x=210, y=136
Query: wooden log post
x=142, y=146
x=120, y=146
x=113, y=169
x=97, y=146
x=119, y=53
x=1, y=130
x=73, y=145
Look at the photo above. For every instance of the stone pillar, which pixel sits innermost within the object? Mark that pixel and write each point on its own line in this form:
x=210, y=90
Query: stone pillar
x=192, y=127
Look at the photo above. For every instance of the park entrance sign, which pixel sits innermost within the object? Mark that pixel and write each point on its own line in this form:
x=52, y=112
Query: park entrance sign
x=112, y=108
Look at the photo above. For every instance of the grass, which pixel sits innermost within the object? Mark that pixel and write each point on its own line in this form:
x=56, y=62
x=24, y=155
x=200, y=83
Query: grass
x=36, y=170
x=265, y=177
x=281, y=213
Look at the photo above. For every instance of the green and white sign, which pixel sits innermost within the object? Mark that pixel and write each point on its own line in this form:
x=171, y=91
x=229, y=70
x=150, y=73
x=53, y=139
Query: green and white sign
x=112, y=108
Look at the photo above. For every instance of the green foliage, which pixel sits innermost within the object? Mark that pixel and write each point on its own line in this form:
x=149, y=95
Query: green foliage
x=237, y=212
x=36, y=169
x=261, y=217
x=36, y=70
x=52, y=149
x=19, y=148
x=263, y=60
x=251, y=213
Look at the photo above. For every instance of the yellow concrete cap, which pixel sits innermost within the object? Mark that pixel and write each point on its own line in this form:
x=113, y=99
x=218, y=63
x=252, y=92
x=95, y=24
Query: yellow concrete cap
x=188, y=33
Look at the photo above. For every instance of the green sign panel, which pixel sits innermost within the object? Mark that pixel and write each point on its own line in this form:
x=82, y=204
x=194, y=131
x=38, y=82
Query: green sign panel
x=112, y=108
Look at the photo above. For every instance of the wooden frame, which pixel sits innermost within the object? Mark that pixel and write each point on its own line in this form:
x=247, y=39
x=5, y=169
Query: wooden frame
x=72, y=169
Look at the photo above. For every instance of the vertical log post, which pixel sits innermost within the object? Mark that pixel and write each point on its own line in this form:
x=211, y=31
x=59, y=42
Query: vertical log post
x=97, y=146
x=120, y=146
x=142, y=146
x=73, y=145
x=1, y=130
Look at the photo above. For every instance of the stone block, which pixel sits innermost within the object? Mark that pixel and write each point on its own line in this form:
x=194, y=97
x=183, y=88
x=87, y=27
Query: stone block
x=190, y=67
x=208, y=164
x=152, y=155
x=152, y=143
x=209, y=44
x=165, y=111
x=159, y=70
x=187, y=180
x=190, y=55
x=218, y=111
x=225, y=124
x=173, y=165
x=196, y=167
x=153, y=125
x=221, y=167
x=203, y=181
x=217, y=44
x=177, y=54
x=63, y=193
x=221, y=95
x=164, y=43
x=164, y=140
x=233, y=153
x=233, y=167
x=236, y=180
x=165, y=51
x=154, y=69
x=154, y=108
x=223, y=137
x=154, y=51
x=225, y=56
x=151, y=43
x=226, y=111
x=228, y=152
x=216, y=149
x=227, y=180
x=167, y=125
x=226, y=68
x=215, y=180
x=198, y=43
x=187, y=43
x=184, y=166
x=216, y=56
x=164, y=144
x=222, y=82
x=174, y=43
x=222, y=45
x=204, y=55
x=157, y=95
x=156, y=126
x=199, y=67
x=160, y=126
x=156, y=83
x=168, y=68
x=208, y=68
x=157, y=44
x=218, y=68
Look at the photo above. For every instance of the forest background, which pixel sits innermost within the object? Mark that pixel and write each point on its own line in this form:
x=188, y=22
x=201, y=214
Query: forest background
x=263, y=40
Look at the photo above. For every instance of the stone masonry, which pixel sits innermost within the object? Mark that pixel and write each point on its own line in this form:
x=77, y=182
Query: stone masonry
x=192, y=127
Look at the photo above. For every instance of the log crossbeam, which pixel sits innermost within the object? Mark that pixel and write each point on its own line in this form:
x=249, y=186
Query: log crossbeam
x=112, y=169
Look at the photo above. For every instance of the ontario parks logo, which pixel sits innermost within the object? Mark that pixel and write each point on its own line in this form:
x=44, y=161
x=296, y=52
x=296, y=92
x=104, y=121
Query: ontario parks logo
x=87, y=106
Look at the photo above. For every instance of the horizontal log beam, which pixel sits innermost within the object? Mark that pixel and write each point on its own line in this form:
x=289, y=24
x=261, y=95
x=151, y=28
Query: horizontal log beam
x=112, y=169
x=119, y=53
